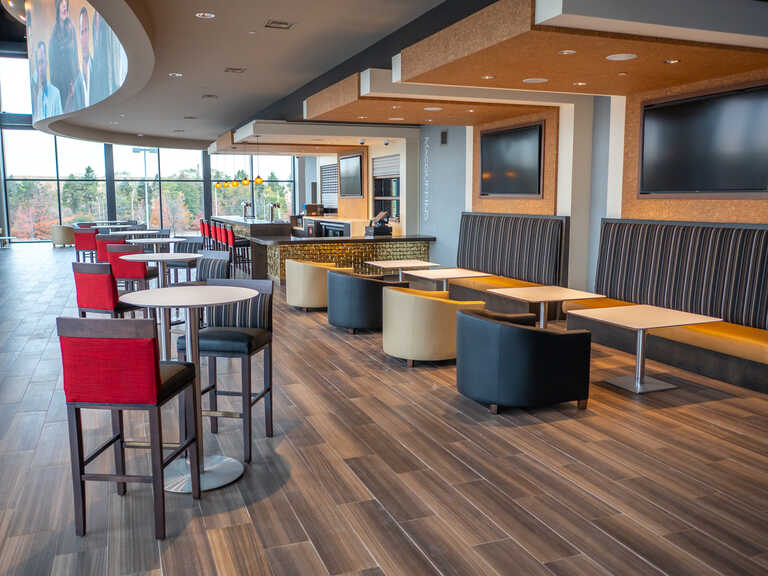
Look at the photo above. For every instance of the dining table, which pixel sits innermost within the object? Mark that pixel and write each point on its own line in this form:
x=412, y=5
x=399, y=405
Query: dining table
x=155, y=242
x=445, y=274
x=543, y=295
x=217, y=470
x=401, y=265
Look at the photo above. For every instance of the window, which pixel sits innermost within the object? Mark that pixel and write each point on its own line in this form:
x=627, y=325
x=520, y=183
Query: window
x=32, y=208
x=181, y=164
x=277, y=173
x=80, y=159
x=29, y=154
x=138, y=200
x=181, y=189
x=135, y=163
x=15, y=95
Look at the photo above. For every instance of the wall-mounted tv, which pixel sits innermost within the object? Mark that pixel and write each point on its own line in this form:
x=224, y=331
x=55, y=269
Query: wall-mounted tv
x=351, y=176
x=712, y=144
x=511, y=161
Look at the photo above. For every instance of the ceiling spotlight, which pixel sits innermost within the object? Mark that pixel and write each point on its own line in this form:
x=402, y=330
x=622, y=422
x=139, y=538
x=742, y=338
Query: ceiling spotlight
x=209, y=97
x=535, y=80
x=140, y=135
x=428, y=120
x=622, y=57
x=623, y=74
x=235, y=69
x=471, y=110
x=488, y=77
x=362, y=117
x=567, y=52
x=122, y=115
x=579, y=83
x=175, y=75
x=278, y=25
x=205, y=15
x=396, y=118
x=432, y=108
x=396, y=107
x=672, y=61
x=114, y=122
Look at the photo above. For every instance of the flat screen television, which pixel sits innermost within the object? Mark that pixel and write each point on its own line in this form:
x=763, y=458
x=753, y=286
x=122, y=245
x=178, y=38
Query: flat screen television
x=511, y=162
x=711, y=144
x=351, y=176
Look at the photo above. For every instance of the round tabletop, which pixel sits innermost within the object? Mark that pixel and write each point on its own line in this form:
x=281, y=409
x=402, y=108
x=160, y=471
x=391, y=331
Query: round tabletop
x=137, y=232
x=116, y=225
x=155, y=240
x=188, y=296
x=162, y=256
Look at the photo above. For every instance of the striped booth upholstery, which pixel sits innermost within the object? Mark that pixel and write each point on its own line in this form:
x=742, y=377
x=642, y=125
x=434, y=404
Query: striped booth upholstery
x=252, y=313
x=213, y=264
x=530, y=248
x=720, y=270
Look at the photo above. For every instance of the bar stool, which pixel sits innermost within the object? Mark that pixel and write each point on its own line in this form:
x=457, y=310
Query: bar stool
x=133, y=272
x=96, y=290
x=238, y=330
x=113, y=365
x=102, y=240
x=85, y=243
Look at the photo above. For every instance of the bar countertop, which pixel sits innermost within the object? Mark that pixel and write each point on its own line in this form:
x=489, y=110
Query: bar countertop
x=246, y=221
x=280, y=240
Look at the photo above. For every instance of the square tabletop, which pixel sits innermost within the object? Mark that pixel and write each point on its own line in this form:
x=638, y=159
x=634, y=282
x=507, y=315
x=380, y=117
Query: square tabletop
x=401, y=264
x=446, y=274
x=643, y=317
x=534, y=294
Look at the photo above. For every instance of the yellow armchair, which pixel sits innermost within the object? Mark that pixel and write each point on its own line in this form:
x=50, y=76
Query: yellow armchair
x=306, y=285
x=62, y=235
x=421, y=324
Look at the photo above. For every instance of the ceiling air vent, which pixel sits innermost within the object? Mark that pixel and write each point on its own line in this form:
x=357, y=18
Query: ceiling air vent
x=235, y=69
x=278, y=25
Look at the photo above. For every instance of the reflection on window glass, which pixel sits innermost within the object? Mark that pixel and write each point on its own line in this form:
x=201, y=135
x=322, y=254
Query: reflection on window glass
x=274, y=192
x=181, y=164
x=32, y=209
x=273, y=167
x=80, y=159
x=136, y=200
x=139, y=162
x=182, y=206
x=83, y=201
x=29, y=154
x=230, y=167
x=15, y=97
x=227, y=199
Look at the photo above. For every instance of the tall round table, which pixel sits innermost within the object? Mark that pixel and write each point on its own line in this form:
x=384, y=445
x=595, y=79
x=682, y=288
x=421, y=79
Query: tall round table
x=217, y=470
x=155, y=242
x=165, y=316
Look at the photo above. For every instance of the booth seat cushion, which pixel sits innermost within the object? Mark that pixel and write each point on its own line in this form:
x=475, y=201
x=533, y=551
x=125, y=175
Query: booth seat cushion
x=490, y=282
x=723, y=337
x=229, y=340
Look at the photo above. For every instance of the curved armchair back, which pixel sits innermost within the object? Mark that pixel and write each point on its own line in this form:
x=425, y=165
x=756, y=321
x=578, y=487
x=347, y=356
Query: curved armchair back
x=355, y=302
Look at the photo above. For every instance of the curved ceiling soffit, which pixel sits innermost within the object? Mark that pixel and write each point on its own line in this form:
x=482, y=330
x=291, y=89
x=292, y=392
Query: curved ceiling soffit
x=130, y=24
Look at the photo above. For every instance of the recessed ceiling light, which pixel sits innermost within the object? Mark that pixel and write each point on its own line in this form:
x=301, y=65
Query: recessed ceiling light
x=672, y=61
x=535, y=80
x=175, y=75
x=362, y=117
x=623, y=74
x=471, y=110
x=396, y=107
x=140, y=135
x=396, y=118
x=567, y=52
x=621, y=57
x=579, y=83
x=114, y=122
x=432, y=108
x=235, y=69
x=278, y=25
x=429, y=120
x=209, y=97
x=488, y=77
x=205, y=15
x=190, y=117
x=122, y=115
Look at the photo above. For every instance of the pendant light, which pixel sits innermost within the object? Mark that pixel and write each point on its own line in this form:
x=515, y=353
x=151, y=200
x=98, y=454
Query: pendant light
x=258, y=180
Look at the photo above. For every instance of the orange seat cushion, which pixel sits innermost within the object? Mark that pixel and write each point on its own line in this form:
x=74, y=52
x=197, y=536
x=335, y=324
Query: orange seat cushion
x=490, y=282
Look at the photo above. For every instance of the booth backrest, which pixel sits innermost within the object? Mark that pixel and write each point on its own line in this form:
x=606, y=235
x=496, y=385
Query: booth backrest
x=524, y=247
x=714, y=269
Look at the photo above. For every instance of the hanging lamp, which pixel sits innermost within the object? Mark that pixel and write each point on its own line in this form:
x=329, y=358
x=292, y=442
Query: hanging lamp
x=258, y=180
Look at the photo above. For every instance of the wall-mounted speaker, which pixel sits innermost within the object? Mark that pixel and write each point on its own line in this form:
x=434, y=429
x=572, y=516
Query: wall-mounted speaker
x=444, y=137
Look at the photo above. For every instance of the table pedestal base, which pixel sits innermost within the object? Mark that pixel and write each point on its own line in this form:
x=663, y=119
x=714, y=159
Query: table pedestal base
x=647, y=384
x=217, y=471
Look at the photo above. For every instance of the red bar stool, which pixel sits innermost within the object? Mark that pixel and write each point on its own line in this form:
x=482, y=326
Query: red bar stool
x=85, y=243
x=133, y=272
x=113, y=365
x=96, y=290
x=102, y=240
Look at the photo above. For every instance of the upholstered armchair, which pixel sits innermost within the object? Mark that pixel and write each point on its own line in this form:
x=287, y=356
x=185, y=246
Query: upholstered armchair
x=355, y=302
x=506, y=361
x=62, y=235
x=305, y=283
x=421, y=324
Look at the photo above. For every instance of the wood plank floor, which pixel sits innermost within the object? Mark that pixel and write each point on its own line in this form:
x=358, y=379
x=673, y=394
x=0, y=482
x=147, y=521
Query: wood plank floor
x=380, y=470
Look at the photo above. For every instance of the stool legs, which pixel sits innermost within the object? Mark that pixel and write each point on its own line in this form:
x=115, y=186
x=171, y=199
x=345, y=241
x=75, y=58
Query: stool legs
x=117, y=428
x=247, y=420
x=76, y=460
x=268, y=386
x=158, y=485
x=212, y=401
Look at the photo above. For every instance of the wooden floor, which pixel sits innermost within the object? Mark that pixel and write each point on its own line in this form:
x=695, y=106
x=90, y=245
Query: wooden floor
x=376, y=469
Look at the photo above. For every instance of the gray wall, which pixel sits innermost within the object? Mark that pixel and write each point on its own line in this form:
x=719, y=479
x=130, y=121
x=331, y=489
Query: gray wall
x=601, y=121
x=441, y=190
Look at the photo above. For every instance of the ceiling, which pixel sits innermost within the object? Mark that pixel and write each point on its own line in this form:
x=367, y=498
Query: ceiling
x=413, y=111
x=11, y=27
x=276, y=62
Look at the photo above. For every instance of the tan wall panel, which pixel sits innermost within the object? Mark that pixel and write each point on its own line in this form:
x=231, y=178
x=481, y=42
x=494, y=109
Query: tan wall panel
x=356, y=208
x=547, y=202
x=708, y=209
x=343, y=92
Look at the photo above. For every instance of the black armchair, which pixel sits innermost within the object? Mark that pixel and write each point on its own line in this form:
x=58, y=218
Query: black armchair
x=354, y=302
x=503, y=360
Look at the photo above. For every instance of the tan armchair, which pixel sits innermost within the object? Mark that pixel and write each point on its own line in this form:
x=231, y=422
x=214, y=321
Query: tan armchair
x=421, y=324
x=62, y=235
x=306, y=285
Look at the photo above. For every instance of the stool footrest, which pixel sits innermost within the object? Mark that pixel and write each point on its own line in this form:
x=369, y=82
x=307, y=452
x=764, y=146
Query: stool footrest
x=96, y=453
x=222, y=414
x=117, y=478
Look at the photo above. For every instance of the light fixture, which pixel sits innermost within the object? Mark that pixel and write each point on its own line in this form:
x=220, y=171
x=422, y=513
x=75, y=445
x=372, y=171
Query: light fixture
x=225, y=184
x=428, y=120
x=205, y=15
x=235, y=183
x=278, y=25
x=114, y=122
x=432, y=108
x=621, y=57
x=190, y=117
x=395, y=118
x=579, y=83
x=535, y=80
x=396, y=107
x=235, y=69
x=178, y=130
x=672, y=61
x=567, y=52
x=246, y=182
x=122, y=115
x=471, y=110
x=488, y=77
x=175, y=75
x=140, y=135
x=258, y=180
x=218, y=184
x=362, y=117
x=209, y=97
x=623, y=74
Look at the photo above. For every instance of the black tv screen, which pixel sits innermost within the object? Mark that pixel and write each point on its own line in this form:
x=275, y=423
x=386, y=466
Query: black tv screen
x=511, y=161
x=351, y=180
x=716, y=144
